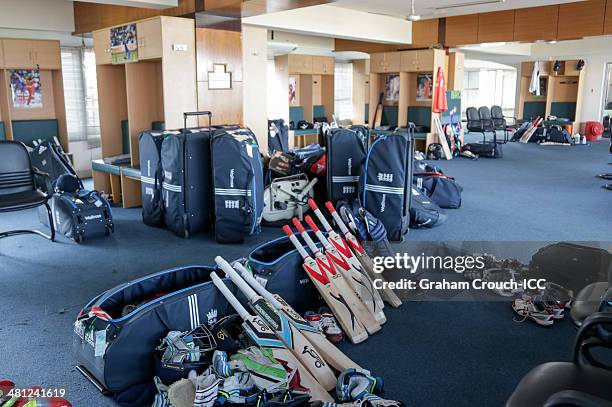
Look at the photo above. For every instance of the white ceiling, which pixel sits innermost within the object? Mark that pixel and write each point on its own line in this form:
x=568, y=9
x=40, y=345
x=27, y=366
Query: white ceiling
x=435, y=8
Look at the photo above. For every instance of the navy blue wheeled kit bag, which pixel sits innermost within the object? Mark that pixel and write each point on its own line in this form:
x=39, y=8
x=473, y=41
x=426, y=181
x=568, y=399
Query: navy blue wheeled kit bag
x=116, y=333
x=386, y=182
x=346, y=153
x=49, y=157
x=151, y=177
x=187, y=183
x=238, y=184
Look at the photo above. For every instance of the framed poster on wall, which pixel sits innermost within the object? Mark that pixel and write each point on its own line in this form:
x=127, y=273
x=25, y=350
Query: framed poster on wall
x=26, y=90
x=392, y=88
x=292, y=89
x=424, y=88
x=124, y=44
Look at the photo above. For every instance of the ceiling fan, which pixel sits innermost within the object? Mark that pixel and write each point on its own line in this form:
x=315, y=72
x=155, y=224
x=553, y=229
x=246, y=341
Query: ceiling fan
x=413, y=16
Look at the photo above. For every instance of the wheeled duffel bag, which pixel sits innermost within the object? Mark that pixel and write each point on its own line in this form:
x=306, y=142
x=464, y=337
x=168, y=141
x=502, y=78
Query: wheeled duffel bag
x=187, y=182
x=487, y=150
x=424, y=212
x=116, y=333
x=151, y=177
x=345, y=155
x=80, y=215
x=443, y=190
x=386, y=181
x=238, y=184
x=278, y=136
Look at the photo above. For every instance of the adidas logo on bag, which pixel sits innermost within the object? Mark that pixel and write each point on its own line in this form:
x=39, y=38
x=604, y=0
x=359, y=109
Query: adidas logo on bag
x=212, y=316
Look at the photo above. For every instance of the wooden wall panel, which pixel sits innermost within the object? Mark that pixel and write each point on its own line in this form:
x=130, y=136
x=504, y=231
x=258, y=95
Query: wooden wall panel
x=461, y=30
x=364, y=46
x=425, y=33
x=536, y=23
x=497, y=26
x=608, y=19
x=581, y=19
x=89, y=17
x=218, y=47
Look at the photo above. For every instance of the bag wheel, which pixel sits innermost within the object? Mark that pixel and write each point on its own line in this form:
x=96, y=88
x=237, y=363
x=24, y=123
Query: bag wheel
x=78, y=238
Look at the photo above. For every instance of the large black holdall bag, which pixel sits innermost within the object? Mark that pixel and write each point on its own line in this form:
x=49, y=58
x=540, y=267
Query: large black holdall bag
x=487, y=150
x=187, y=182
x=151, y=177
x=386, y=181
x=114, y=344
x=571, y=265
x=80, y=215
x=49, y=157
x=278, y=136
x=238, y=184
x=443, y=190
x=346, y=153
x=424, y=212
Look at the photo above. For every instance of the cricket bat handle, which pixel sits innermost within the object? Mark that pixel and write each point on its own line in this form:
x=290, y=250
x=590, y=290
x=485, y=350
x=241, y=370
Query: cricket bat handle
x=252, y=281
x=233, y=301
x=319, y=214
x=317, y=231
x=296, y=242
x=337, y=218
x=236, y=279
x=300, y=228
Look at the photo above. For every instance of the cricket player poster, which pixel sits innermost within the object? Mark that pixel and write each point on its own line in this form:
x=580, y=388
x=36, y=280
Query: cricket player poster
x=124, y=45
x=26, y=88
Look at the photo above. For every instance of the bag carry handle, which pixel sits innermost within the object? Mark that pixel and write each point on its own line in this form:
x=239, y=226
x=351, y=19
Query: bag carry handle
x=202, y=113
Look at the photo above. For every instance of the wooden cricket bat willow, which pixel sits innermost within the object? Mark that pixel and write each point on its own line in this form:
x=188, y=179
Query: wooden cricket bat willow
x=263, y=336
x=361, y=285
x=332, y=355
x=388, y=294
x=293, y=339
x=364, y=315
x=347, y=319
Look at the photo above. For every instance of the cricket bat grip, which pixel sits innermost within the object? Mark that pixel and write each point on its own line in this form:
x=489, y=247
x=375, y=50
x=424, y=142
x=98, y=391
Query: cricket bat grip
x=236, y=279
x=252, y=281
x=311, y=245
x=233, y=301
x=337, y=218
x=319, y=214
x=315, y=229
x=295, y=241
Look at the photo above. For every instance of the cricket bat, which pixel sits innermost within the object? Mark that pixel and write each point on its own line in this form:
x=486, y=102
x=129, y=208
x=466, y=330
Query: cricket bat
x=344, y=249
x=379, y=111
x=337, y=279
x=531, y=130
x=332, y=355
x=360, y=285
x=291, y=337
x=388, y=294
x=442, y=138
x=263, y=336
x=335, y=300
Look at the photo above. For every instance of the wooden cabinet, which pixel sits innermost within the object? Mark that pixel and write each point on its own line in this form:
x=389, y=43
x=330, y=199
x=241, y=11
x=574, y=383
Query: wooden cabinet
x=30, y=53
x=300, y=64
x=527, y=68
x=456, y=71
x=416, y=61
x=382, y=62
x=316, y=90
x=581, y=19
x=323, y=65
x=101, y=40
x=149, y=35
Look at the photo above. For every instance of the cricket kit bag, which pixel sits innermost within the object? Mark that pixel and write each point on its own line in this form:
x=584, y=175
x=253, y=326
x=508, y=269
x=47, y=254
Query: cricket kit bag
x=80, y=215
x=151, y=177
x=238, y=184
x=187, y=181
x=443, y=190
x=386, y=180
x=363, y=132
x=424, y=212
x=345, y=156
x=487, y=150
x=571, y=265
x=277, y=265
x=278, y=136
x=49, y=157
x=117, y=332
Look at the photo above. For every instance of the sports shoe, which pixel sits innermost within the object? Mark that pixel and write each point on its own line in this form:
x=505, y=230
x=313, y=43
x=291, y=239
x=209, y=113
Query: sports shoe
x=330, y=325
x=536, y=310
x=314, y=320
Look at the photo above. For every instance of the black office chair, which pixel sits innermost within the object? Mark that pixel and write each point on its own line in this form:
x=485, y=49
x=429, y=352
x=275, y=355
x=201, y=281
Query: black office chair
x=18, y=185
x=474, y=124
x=500, y=122
x=487, y=123
x=584, y=382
